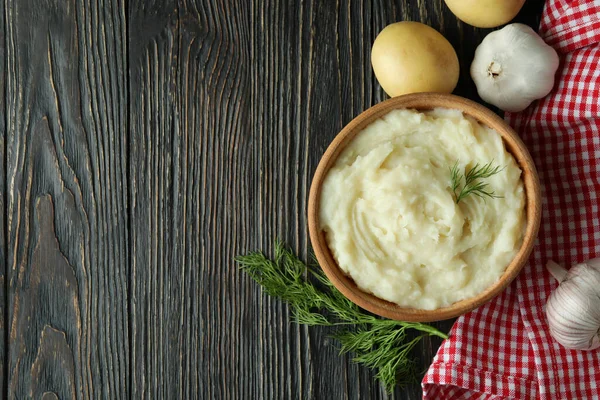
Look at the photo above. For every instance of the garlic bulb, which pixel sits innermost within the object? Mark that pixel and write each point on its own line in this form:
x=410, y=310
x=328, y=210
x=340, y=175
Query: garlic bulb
x=513, y=67
x=573, y=309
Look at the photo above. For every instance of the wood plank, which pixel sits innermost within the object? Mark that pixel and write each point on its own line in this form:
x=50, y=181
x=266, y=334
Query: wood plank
x=3, y=281
x=282, y=51
x=156, y=287
x=189, y=153
x=67, y=225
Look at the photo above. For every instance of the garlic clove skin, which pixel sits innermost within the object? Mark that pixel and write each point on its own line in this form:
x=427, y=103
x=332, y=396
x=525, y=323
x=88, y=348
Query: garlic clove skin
x=573, y=309
x=513, y=67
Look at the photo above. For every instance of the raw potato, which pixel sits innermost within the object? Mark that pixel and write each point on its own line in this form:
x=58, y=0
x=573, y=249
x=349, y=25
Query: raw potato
x=410, y=57
x=485, y=13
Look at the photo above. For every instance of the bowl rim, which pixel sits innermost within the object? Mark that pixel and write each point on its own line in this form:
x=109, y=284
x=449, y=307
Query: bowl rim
x=425, y=101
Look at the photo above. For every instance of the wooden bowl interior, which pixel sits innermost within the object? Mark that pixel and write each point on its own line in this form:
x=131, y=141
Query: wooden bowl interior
x=424, y=101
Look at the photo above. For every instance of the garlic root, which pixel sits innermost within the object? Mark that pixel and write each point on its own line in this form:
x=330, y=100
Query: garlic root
x=558, y=272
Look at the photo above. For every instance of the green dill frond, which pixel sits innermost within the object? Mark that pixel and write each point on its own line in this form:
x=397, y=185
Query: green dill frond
x=455, y=178
x=472, y=184
x=377, y=343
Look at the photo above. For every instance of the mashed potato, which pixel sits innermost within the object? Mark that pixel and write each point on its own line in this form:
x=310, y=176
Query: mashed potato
x=391, y=219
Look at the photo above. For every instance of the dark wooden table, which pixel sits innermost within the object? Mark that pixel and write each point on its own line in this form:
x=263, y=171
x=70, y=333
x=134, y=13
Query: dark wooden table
x=146, y=143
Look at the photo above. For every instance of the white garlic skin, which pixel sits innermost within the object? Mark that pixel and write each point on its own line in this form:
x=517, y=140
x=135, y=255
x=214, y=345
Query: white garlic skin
x=573, y=309
x=513, y=67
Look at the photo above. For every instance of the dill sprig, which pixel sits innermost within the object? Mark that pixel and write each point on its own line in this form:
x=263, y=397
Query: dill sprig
x=377, y=343
x=473, y=184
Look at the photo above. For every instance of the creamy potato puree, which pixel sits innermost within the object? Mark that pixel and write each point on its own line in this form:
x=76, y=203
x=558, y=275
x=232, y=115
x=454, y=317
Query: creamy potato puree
x=390, y=216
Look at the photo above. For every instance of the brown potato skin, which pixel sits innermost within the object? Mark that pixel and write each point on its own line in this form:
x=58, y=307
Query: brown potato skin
x=411, y=57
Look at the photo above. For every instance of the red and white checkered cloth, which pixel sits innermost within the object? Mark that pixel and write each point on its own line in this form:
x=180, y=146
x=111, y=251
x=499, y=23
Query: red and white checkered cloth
x=504, y=349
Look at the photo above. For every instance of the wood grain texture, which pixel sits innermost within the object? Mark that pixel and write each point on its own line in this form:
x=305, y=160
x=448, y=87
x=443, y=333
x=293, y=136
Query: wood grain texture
x=145, y=143
x=66, y=200
x=190, y=148
x=3, y=243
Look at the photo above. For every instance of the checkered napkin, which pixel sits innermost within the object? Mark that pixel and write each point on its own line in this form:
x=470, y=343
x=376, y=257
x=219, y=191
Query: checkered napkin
x=504, y=349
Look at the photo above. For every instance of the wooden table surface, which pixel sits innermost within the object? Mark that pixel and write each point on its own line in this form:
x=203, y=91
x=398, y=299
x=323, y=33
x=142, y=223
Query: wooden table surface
x=144, y=144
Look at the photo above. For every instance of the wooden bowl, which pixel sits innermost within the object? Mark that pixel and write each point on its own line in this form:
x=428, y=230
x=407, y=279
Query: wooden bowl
x=424, y=101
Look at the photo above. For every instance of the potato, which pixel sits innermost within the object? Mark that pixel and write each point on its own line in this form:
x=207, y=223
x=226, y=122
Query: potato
x=411, y=57
x=485, y=13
